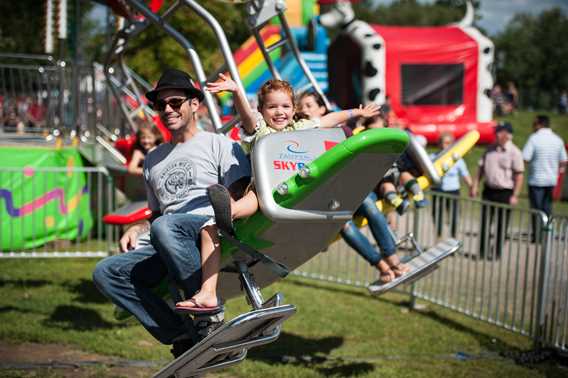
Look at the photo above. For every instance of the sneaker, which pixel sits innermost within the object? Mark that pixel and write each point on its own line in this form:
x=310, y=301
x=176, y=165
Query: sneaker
x=221, y=203
x=421, y=203
x=181, y=346
x=207, y=324
x=401, y=209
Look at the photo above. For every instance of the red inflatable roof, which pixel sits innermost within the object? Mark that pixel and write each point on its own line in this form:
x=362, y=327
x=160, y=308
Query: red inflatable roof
x=448, y=56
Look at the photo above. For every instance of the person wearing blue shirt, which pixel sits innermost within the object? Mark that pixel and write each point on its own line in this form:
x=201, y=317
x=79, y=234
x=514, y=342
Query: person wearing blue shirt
x=450, y=185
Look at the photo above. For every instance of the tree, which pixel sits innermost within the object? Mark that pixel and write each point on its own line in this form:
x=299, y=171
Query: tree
x=413, y=13
x=533, y=53
x=153, y=49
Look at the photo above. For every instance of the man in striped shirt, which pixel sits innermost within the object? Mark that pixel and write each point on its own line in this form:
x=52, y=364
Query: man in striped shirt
x=546, y=157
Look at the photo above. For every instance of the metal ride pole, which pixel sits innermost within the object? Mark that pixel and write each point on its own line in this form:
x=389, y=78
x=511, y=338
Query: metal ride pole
x=188, y=47
x=540, y=321
x=296, y=51
x=221, y=38
x=416, y=232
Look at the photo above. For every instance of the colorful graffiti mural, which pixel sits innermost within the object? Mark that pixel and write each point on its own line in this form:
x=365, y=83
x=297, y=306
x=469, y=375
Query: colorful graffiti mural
x=43, y=197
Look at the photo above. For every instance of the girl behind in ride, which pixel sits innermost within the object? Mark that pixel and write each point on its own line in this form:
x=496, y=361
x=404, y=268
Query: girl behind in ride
x=276, y=113
x=147, y=138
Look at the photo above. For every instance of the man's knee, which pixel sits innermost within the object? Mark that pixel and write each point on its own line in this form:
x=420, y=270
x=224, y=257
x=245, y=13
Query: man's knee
x=103, y=273
x=162, y=230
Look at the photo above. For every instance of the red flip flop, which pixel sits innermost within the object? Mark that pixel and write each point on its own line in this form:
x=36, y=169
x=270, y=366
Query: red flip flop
x=199, y=309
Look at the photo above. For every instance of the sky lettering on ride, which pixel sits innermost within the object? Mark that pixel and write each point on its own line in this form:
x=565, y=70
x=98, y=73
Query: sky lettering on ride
x=293, y=157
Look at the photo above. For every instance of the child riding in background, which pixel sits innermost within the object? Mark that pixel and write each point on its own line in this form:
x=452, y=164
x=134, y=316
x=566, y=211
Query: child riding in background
x=276, y=113
x=147, y=137
x=386, y=260
x=311, y=105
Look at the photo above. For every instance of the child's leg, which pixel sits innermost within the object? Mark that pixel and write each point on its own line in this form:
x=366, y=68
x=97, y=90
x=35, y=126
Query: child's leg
x=226, y=209
x=245, y=206
x=412, y=186
x=360, y=244
x=210, y=262
x=391, y=196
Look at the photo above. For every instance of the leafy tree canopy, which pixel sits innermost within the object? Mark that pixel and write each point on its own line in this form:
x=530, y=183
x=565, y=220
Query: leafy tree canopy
x=532, y=52
x=413, y=13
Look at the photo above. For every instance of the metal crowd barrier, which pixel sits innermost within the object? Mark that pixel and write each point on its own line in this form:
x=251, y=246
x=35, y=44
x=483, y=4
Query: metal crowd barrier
x=43, y=93
x=58, y=213
x=517, y=281
x=554, y=314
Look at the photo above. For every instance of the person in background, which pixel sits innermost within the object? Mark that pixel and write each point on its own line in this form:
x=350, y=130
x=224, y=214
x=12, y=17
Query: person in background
x=545, y=155
x=563, y=102
x=385, y=259
x=450, y=185
x=501, y=167
x=147, y=138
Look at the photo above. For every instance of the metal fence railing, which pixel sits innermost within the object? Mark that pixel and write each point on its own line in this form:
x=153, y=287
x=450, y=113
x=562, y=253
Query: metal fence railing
x=554, y=314
x=56, y=212
x=39, y=93
x=505, y=274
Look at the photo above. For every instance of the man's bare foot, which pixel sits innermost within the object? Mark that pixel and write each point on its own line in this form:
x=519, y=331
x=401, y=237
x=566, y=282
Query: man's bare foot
x=201, y=300
x=387, y=275
x=396, y=266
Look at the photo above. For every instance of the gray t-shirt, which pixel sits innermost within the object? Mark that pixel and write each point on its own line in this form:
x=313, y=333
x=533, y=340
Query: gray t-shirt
x=177, y=176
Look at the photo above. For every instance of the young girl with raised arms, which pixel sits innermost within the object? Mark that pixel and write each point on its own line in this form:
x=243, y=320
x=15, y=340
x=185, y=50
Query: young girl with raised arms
x=276, y=113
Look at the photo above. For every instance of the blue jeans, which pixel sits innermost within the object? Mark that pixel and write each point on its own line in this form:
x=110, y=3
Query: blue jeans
x=540, y=198
x=379, y=228
x=127, y=279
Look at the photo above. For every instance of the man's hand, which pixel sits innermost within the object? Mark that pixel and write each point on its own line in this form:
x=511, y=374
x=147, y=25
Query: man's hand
x=473, y=192
x=513, y=200
x=129, y=240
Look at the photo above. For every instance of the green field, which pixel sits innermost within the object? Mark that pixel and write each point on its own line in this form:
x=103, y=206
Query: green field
x=338, y=331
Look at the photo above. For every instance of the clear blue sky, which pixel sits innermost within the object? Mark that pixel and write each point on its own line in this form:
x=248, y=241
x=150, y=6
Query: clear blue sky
x=496, y=14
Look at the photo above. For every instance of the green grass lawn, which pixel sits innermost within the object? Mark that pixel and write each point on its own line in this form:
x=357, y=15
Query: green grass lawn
x=338, y=331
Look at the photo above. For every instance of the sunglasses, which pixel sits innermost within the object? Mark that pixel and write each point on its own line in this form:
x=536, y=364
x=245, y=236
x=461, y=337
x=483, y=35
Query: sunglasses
x=174, y=103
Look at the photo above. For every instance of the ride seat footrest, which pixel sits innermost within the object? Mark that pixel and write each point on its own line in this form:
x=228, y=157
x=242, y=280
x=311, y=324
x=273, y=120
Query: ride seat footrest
x=229, y=344
x=420, y=266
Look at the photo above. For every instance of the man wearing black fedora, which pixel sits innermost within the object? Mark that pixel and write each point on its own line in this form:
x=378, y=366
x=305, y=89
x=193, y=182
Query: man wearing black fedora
x=177, y=175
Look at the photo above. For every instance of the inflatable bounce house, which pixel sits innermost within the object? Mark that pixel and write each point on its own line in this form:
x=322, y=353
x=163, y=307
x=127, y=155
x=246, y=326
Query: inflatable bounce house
x=434, y=79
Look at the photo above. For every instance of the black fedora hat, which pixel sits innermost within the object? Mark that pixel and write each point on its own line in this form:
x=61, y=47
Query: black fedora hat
x=175, y=79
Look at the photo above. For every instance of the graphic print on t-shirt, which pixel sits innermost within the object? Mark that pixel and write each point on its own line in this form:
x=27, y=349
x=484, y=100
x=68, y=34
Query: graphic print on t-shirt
x=176, y=180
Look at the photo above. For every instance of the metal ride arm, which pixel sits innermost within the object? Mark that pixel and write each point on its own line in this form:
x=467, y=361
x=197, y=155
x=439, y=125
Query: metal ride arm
x=129, y=86
x=188, y=47
x=260, y=13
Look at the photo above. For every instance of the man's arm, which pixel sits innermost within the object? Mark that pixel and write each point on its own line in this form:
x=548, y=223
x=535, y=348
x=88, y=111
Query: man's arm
x=517, y=187
x=129, y=239
x=474, y=188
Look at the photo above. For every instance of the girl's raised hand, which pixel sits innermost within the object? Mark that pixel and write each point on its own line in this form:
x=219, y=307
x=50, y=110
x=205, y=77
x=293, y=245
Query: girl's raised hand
x=225, y=83
x=369, y=110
